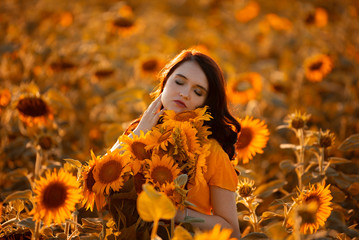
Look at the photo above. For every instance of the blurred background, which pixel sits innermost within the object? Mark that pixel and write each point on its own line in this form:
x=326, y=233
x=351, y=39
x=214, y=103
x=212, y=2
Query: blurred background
x=93, y=64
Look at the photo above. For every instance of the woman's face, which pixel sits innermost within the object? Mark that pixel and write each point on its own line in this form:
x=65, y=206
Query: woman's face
x=186, y=88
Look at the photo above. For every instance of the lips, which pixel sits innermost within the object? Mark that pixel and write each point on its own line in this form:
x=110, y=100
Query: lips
x=180, y=103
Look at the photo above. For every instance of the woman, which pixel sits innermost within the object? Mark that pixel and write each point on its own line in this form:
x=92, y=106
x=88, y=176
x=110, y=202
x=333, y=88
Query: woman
x=189, y=81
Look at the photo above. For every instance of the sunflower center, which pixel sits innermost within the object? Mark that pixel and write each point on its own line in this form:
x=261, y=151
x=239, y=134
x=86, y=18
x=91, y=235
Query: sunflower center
x=123, y=22
x=110, y=171
x=45, y=142
x=316, y=66
x=310, y=19
x=307, y=216
x=325, y=141
x=32, y=106
x=297, y=123
x=54, y=195
x=150, y=65
x=90, y=181
x=139, y=151
x=245, y=138
x=185, y=116
x=161, y=174
x=245, y=191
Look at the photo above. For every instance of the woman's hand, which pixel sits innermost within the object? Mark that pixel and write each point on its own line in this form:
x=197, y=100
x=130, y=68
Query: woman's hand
x=150, y=116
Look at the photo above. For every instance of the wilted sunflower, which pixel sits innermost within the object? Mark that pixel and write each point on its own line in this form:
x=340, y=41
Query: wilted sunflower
x=33, y=110
x=297, y=120
x=319, y=18
x=248, y=12
x=244, y=88
x=315, y=201
x=199, y=114
x=251, y=140
x=245, y=187
x=136, y=145
x=325, y=139
x=161, y=170
x=176, y=193
x=90, y=197
x=215, y=234
x=57, y=195
x=317, y=67
x=109, y=172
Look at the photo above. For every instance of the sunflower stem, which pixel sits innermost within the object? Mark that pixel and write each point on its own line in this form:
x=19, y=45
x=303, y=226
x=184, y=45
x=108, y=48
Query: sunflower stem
x=36, y=235
x=154, y=230
x=37, y=163
x=300, y=135
x=297, y=222
x=172, y=227
x=67, y=229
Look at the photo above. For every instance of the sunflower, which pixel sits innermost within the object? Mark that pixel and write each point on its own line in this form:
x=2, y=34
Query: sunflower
x=197, y=115
x=319, y=18
x=317, y=67
x=57, y=195
x=34, y=110
x=251, y=140
x=215, y=234
x=123, y=22
x=245, y=188
x=244, y=88
x=297, y=120
x=248, y=12
x=159, y=138
x=313, y=206
x=110, y=172
x=325, y=139
x=176, y=193
x=90, y=197
x=161, y=170
x=136, y=145
x=149, y=66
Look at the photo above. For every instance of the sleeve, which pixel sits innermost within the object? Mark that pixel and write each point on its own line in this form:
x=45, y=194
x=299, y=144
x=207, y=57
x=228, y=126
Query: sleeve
x=220, y=171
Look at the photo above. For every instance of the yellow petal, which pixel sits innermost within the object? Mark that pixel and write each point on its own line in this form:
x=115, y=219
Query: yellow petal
x=181, y=234
x=153, y=205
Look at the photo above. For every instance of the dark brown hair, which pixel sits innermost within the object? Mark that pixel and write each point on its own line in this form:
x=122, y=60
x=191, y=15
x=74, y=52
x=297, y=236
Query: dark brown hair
x=224, y=126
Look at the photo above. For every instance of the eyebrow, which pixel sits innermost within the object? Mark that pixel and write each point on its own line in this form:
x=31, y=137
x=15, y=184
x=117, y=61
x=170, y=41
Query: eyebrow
x=182, y=76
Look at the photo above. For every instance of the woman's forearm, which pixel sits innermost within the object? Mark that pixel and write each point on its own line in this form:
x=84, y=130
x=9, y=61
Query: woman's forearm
x=209, y=221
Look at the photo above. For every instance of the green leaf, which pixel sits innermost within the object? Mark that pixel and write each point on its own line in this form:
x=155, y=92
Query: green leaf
x=24, y=195
x=276, y=231
x=265, y=190
x=287, y=165
x=74, y=162
x=268, y=214
x=338, y=160
x=18, y=173
x=28, y=223
x=189, y=219
x=350, y=144
x=181, y=180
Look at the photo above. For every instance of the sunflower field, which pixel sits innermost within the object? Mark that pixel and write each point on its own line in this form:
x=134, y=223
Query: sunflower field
x=75, y=74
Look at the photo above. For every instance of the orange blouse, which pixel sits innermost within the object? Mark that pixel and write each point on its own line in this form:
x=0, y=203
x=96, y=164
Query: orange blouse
x=220, y=172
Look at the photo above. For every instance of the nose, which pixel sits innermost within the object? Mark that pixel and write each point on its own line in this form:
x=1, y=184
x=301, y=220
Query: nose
x=184, y=95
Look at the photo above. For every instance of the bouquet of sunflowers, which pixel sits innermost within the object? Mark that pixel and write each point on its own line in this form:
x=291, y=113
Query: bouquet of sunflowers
x=169, y=157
